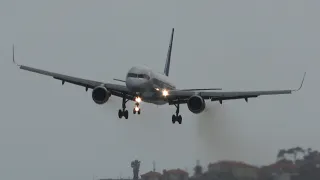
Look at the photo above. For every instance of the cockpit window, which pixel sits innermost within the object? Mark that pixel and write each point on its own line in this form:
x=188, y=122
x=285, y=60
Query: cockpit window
x=132, y=75
x=144, y=76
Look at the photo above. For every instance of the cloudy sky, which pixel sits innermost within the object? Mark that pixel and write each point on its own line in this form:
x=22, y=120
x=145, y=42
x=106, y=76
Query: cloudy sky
x=49, y=131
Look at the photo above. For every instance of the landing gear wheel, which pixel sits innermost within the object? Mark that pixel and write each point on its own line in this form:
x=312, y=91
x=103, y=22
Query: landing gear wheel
x=136, y=109
x=179, y=119
x=173, y=119
x=126, y=114
x=120, y=114
x=138, y=112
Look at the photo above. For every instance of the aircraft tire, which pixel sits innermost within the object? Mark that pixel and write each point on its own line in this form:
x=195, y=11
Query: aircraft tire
x=126, y=114
x=179, y=119
x=120, y=114
x=173, y=119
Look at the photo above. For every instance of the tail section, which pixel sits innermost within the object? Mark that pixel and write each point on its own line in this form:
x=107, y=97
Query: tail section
x=167, y=66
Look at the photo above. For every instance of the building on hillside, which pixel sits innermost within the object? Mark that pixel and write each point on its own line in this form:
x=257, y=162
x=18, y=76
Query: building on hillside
x=309, y=169
x=210, y=176
x=278, y=171
x=151, y=175
x=175, y=174
x=239, y=170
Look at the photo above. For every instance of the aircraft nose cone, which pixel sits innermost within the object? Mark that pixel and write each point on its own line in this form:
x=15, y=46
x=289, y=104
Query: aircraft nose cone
x=129, y=83
x=135, y=85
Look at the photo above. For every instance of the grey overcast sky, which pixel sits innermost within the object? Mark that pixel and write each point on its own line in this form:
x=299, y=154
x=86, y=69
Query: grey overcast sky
x=49, y=131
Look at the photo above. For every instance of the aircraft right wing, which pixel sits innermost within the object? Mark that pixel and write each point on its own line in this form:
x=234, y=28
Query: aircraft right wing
x=181, y=96
x=115, y=89
x=200, y=89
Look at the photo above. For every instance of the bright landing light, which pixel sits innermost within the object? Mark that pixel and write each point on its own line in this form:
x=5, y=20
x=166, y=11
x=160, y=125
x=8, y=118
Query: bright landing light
x=165, y=92
x=138, y=99
x=136, y=108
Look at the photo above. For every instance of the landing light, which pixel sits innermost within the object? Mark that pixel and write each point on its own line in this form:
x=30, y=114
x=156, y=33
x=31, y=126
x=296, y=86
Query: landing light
x=136, y=108
x=138, y=99
x=165, y=92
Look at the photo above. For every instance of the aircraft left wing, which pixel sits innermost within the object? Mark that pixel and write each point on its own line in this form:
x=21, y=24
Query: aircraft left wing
x=181, y=97
x=115, y=89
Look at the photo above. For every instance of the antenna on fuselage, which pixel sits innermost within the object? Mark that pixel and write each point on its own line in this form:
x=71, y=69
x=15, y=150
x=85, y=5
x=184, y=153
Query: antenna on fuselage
x=167, y=65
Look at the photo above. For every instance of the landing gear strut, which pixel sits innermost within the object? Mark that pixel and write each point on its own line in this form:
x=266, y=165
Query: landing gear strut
x=123, y=111
x=177, y=117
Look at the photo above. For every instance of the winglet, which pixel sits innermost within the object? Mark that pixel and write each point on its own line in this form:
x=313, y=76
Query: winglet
x=13, y=59
x=301, y=82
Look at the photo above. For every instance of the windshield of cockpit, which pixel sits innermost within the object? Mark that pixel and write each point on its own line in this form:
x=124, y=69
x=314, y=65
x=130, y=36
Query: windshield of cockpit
x=142, y=76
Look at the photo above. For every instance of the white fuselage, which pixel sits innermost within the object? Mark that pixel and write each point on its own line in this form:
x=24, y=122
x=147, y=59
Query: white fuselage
x=148, y=84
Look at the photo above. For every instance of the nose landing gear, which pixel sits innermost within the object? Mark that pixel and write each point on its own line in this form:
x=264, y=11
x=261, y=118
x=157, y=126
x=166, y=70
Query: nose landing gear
x=137, y=109
x=124, y=113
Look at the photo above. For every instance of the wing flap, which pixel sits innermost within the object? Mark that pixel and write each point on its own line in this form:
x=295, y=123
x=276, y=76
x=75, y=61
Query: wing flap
x=181, y=96
x=220, y=99
x=217, y=96
x=64, y=78
x=243, y=93
x=115, y=89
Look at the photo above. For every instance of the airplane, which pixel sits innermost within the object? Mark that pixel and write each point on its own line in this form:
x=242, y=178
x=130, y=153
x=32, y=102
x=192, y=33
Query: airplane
x=142, y=84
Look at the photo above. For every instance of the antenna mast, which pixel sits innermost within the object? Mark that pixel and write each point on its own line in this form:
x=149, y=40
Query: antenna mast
x=154, y=166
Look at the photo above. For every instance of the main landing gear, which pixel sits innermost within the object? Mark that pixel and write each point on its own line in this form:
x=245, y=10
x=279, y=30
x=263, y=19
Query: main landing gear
x=177, y=117
x=123, y=111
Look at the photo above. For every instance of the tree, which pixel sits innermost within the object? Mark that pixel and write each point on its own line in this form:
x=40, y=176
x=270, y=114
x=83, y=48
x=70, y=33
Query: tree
x=197, y=170
x=312, y=155
x=293, y=152
x=281, y=154
x=298, y=150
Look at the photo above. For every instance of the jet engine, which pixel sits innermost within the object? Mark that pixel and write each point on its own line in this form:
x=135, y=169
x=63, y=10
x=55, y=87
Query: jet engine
x=196, y=104
x=100, y=94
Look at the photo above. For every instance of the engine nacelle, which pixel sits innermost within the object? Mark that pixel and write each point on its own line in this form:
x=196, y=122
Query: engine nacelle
x=196, y=104
x=100, y=95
